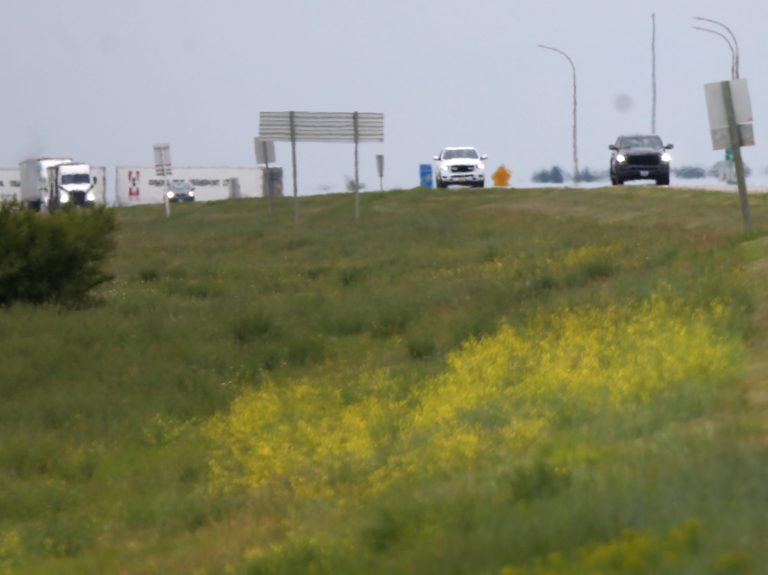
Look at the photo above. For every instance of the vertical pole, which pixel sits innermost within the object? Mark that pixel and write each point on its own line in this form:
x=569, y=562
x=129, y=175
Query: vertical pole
x=269, y=175
x=653, y=75
x=357, y=177
x=293, y=157
x=576, y=175
x=733, y=128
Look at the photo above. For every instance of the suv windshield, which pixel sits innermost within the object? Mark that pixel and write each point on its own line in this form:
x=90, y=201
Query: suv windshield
x=462, y=153
x=640, y=142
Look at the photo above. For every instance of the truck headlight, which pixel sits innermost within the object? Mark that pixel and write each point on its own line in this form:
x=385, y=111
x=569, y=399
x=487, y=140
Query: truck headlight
x=481, y=166
x=665, y=157
x=445, y=168
x=90, y=197
x=621, y=158
x=64, y=197
x=169, y=194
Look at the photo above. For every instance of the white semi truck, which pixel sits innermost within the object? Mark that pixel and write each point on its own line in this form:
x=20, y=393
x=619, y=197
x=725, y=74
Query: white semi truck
x=48, y=183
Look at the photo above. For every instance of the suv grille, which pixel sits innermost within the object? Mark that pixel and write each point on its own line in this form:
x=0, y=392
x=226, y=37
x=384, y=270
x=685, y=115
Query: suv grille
x=461, y=168
x=644, y=160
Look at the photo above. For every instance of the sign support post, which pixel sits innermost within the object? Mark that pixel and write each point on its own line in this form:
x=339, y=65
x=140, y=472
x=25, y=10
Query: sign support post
x=357, y=172
x=265, y=153
x=293, y=160
x=163, y=169
x=733, y=130
x=730, y=122
x=380, y=169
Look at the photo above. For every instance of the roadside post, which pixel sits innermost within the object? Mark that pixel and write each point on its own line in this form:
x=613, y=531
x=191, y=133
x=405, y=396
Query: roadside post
x=730, y=123
x=380, y=169
x=265, y=154
x=163, y=170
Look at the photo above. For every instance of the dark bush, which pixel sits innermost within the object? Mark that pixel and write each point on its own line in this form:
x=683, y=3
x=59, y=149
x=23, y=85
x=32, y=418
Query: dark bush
x=55, y=257
x=551, y=176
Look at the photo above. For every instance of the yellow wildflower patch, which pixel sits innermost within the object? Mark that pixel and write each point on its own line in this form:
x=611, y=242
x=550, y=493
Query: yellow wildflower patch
x=498, y=397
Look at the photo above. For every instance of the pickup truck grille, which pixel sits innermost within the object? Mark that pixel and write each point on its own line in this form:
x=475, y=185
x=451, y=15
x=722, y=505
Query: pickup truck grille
x=644, y=160
x=461, y=168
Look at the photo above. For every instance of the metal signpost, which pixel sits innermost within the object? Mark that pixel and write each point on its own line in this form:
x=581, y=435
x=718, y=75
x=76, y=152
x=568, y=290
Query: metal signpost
x=380, y=169
x=265, y=154
x=352, y=127
x=730, y=122
x=163, y=170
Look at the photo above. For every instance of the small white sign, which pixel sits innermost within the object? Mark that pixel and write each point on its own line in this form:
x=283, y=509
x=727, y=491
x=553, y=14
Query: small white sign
x=162, y=159
x=265, y=151
x=718, y=116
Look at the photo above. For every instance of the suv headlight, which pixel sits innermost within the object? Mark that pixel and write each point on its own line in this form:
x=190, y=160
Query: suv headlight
x=665, y=157
x=445, y=168
x=481, y=166
x=621, y=158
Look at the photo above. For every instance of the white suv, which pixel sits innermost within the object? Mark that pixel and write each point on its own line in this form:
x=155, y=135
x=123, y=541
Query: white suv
x=460, y=166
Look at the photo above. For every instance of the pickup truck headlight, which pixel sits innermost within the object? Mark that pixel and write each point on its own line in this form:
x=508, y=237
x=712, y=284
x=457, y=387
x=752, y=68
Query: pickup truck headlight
x=665, y=157
x=64, y=197
x=481, y=166
x=90, y=197
x=621, y=158
x=445, y=168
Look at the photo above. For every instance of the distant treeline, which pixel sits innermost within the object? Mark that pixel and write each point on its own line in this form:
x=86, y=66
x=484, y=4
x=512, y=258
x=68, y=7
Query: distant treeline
x=556, y=174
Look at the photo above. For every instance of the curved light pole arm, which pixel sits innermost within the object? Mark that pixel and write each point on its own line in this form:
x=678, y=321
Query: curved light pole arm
x=734, y=48
x=734, y=57
x=575, y=104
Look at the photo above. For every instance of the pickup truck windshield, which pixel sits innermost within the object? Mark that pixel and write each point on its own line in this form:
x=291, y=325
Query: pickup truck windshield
x=462, y=153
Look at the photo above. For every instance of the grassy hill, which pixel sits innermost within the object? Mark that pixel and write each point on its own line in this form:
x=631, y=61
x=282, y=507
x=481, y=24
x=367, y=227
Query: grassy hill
x=490, y=382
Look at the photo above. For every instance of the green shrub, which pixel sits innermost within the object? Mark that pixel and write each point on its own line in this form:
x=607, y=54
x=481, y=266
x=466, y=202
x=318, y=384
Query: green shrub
x=53, y=257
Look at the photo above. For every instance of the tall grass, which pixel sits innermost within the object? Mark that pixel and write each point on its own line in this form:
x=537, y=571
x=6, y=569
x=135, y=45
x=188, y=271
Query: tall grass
x=460, y=382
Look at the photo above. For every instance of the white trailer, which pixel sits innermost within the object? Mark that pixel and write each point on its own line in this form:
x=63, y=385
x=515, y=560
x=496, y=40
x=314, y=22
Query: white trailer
x=136, y=185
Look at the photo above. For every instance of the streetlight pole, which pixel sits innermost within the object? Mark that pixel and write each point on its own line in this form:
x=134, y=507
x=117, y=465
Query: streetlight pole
x=575, y=103
x=734, y=47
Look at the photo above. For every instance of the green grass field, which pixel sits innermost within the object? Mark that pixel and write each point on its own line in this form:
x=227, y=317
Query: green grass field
x=496, y=382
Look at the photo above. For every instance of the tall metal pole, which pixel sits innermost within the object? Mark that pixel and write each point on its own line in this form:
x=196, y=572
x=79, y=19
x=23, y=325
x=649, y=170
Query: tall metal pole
x=575, y=104
x=293, y=158
x=653, y=75
x=357, y=172
x=734, y=48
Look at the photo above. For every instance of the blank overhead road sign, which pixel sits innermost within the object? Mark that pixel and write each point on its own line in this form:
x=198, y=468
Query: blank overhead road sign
x=322, y=126
x=352, y=127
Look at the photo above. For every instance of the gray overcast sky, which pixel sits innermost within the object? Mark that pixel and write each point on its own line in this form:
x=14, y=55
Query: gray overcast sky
x=102, y=81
